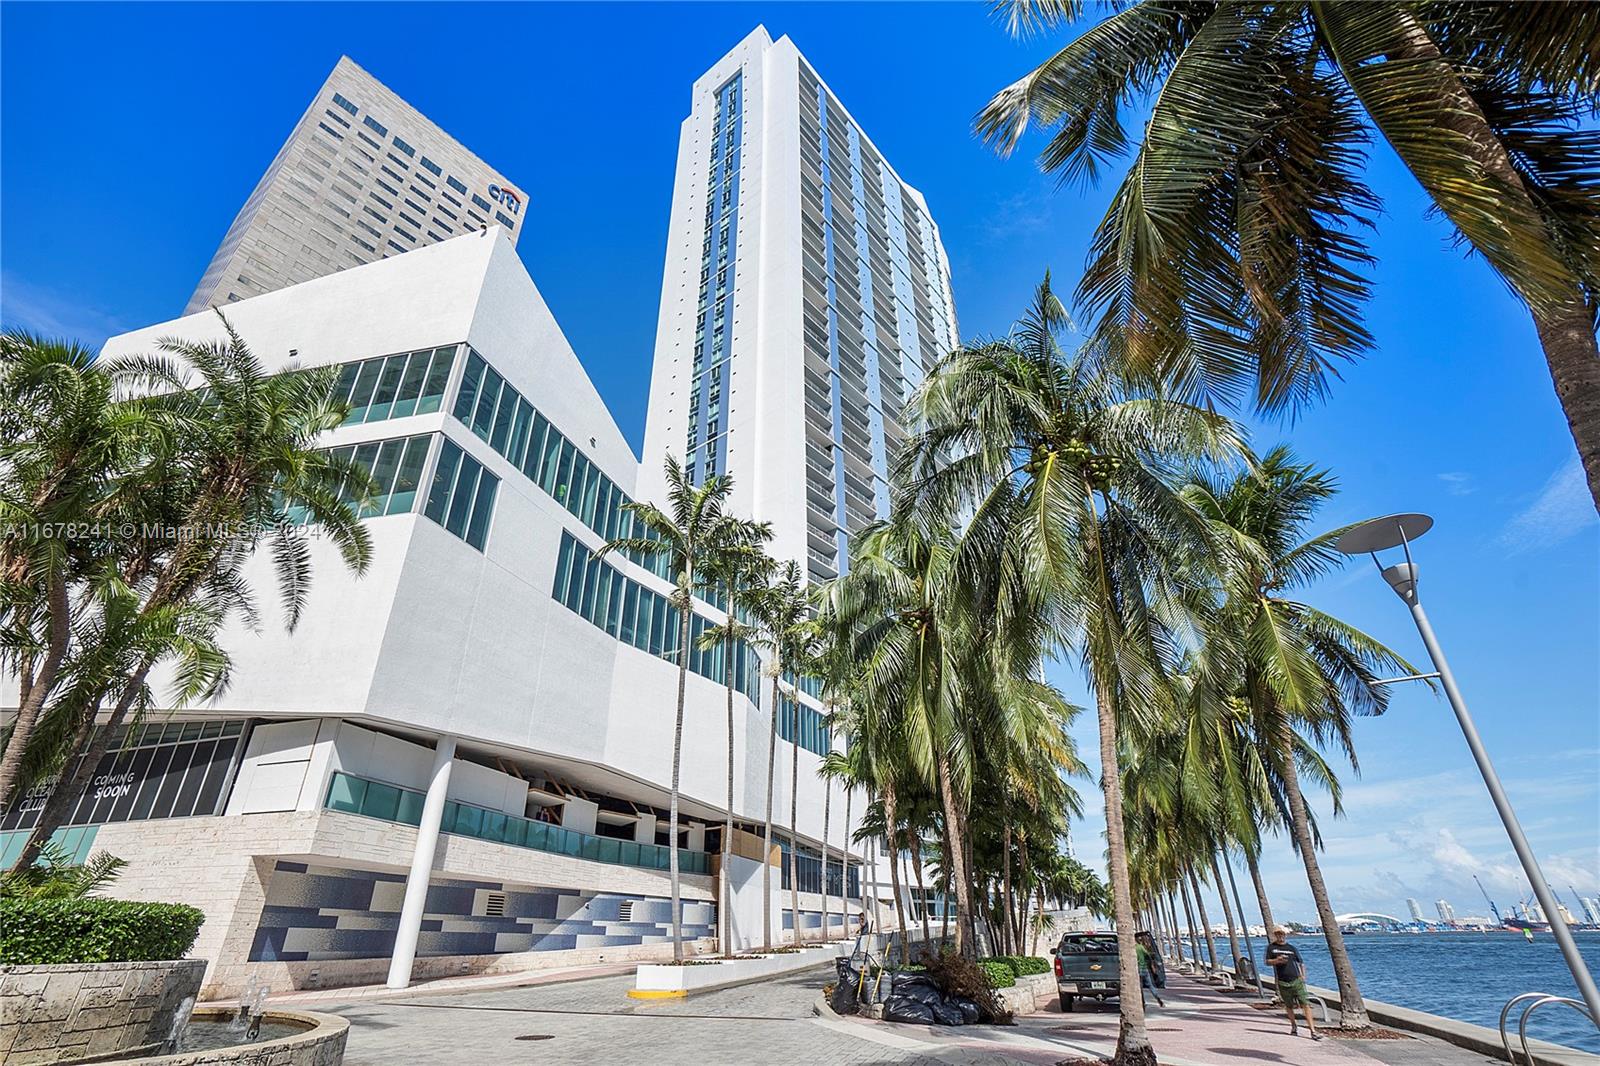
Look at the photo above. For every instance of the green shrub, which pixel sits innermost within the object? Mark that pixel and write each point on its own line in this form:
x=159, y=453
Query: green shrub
x=91, y=929
x=1000, y=974
x=1025, y=965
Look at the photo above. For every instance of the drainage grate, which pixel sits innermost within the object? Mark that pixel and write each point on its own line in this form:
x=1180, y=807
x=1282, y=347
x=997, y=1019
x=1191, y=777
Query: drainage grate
x=625, y=911
x=536, y=1036
x=494, y=905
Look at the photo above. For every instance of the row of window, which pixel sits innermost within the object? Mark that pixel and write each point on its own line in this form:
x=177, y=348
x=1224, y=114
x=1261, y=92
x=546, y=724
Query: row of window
x=494, y=410
x=462, y=496
x=813, y=735
x=395, y=467
x=642, y=618
x=706, y=448
x=394, y=386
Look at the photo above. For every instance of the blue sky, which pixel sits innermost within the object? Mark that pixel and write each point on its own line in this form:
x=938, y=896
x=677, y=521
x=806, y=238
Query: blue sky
x=132, y=134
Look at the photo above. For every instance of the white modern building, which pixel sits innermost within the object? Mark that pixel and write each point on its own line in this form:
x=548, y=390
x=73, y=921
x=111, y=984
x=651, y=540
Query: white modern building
x=1416, y=910
x=363, y=176
x=465, y=752
x=805, y=294
x=1447, y=913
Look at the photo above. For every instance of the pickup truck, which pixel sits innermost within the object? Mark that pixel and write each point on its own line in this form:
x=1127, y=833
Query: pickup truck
x=1086, y=967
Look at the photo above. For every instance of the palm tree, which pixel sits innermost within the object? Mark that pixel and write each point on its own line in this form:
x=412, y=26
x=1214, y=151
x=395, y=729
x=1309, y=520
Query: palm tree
x=1297, y=668
x=230, y=447
x=780, y=610
x=699, y=540
x=1232, y=249
x=1065, y=470
x=736, y=573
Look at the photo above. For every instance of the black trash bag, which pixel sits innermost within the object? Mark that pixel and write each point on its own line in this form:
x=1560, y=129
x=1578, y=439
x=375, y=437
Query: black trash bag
x=928, y=994
x=901, y=1009
x=969, y=1010
x=947, y=1014
x=912, y=984
x=844, y=999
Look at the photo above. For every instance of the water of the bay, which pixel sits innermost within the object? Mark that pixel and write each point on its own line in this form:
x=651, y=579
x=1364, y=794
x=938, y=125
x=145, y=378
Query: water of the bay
x=1466, y=976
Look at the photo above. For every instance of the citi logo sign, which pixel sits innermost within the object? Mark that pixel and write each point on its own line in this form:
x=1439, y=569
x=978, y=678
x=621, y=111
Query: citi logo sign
x=512, y=201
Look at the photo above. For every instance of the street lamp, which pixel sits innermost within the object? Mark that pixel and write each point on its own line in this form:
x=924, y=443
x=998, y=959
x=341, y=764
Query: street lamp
x=1398, y=531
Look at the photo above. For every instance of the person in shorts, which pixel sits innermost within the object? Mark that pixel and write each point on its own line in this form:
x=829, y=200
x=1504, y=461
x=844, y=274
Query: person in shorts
x=1290, y=970
x=1144, y=949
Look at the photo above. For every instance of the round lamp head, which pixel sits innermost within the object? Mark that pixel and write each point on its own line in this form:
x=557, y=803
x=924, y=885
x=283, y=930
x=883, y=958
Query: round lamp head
x=1376, y=534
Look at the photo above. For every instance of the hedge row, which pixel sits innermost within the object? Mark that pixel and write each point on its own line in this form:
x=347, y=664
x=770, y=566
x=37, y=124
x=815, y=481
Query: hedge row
x=91, y=929
x=1025, y=965
x=1000, y=974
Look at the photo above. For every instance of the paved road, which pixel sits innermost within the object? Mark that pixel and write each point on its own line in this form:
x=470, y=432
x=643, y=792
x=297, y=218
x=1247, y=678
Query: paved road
x=593, y=1021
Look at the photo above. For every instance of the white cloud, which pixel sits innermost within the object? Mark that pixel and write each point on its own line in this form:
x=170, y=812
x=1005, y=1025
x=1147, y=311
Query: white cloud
x=38, y=309
x=1562, y=509
x=1458, y=483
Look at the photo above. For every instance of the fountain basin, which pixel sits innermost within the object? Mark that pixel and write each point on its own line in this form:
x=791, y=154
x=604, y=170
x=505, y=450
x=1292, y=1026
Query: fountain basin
x=286, y=1038
x=92, y=1011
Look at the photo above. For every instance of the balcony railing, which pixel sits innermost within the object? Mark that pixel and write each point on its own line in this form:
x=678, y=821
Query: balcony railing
x=374, y=799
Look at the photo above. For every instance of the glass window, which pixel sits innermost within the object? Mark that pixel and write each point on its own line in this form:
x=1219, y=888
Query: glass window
x=403, y=497
x=374, y=125
x=363, y=459
x=347, y=380
x=461, y=497
x=483, y=417
x=438, y=380
x=430, y=166
x=361, y=391
x=383, y=471
x=444, y=477
x=482, y=510
x=405, y=399
x=394, y=368
x=404, y=147
x=456, y=185
x=346, y=104
x=503, y=416
x=588, y=478
x=471, y=380
x=481, y=203
x=518, y=443
x=564, y=473
x=563, y=568
x=549, y=463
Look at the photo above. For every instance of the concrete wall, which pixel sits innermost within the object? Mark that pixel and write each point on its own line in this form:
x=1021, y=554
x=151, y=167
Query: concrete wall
x=76, y=1012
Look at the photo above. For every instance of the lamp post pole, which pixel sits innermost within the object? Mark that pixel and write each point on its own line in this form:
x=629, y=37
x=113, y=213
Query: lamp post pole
x=1397, y=531
x=1405, y=585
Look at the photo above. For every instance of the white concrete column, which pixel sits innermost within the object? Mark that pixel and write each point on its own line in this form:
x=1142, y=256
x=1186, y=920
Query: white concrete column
x=405, y=938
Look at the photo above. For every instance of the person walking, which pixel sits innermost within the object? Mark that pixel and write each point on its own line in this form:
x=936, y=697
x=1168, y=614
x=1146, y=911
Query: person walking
x=1290, y=970
x=1144, y=946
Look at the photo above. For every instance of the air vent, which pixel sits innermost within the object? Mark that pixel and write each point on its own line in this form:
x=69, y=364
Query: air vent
x=494, y=904
x=625, y=911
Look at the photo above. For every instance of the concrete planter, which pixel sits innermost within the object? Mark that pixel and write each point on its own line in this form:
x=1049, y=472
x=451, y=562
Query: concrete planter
x=652, y=981
x=1034, y=992
x=91, y=1012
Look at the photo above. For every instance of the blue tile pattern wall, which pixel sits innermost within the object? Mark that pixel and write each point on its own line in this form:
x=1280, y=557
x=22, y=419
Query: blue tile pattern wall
x=322, y=912
x=811, y=921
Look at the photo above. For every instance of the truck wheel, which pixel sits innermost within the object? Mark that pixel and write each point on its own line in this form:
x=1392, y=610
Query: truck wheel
x=1066, y=1003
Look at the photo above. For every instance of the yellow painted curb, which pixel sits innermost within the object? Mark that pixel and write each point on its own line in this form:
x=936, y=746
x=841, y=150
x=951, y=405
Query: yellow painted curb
x=665, y=993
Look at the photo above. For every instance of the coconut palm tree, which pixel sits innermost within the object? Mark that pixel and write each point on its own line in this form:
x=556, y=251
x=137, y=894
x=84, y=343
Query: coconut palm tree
x=1066, y=470
x=1232, y=258
x=230, y=448
x=699, y=540
x=779, y=612
x=1297, y=668
x=738, y=573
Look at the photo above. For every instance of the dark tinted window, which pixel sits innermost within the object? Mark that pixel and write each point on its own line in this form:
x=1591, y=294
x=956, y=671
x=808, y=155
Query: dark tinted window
x=1088, y=945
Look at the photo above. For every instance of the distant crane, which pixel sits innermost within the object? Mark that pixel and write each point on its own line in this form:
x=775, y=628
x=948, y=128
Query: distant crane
x=1492, y=908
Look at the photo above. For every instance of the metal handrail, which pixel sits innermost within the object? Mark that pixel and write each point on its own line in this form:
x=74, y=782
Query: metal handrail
x=1522, y=1023
x=1505, y=1012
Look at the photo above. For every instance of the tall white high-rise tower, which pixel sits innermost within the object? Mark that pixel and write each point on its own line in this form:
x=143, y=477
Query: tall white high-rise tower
x=1416, y=910
x=806, y=294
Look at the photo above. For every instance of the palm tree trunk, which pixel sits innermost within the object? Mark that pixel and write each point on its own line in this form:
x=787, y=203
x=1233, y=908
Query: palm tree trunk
x=961, y=874
x=1205, y=922
x=944, y=901
x=922, y=888
x=36, y=688
x=844, y=872
x=677, y=762
x=1133, y=1041
x=1565, y=325
x=1261, y=893
x=1352, y=1009
x=1188, y=915
x=1227, y=910
x=1023, y=896
x=725, y=899
x=794, y=822
x=1244, y=926
x=827, y=803
x=893, y=853
x=1005, y=884
x=1177, y=931
x=766, y=851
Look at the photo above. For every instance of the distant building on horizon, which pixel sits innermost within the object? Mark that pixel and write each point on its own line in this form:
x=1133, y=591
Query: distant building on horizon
x=363, y=176
x=1416, y=910
x=1591, y=909
x=1447, y=913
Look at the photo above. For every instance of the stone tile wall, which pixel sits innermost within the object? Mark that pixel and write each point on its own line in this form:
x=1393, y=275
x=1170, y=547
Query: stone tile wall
x=73, y=1013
